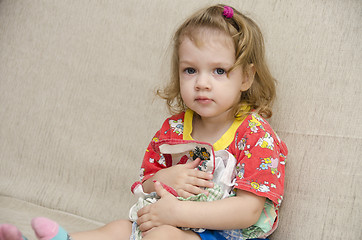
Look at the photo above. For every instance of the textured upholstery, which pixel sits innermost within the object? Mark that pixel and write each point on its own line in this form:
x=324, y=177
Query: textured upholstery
x=77, y=107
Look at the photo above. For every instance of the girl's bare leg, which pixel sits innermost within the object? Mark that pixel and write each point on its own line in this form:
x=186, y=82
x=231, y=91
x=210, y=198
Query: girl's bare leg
x=165, y=232
x=47, y=229
x=117, y=230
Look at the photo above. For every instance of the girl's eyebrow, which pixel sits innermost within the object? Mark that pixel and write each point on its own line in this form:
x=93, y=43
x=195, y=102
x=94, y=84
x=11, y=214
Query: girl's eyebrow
x=216, y=64
x=183, y=61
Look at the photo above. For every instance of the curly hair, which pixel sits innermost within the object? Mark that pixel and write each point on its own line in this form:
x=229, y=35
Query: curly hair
x=249, y=49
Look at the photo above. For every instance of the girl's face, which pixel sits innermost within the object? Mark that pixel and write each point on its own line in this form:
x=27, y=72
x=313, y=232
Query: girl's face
x=207, y=87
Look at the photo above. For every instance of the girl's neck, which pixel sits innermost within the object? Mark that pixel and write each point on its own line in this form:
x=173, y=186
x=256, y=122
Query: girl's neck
x=210, y=129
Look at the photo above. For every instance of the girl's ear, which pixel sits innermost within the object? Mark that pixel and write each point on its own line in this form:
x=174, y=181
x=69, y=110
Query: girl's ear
x=248, y=77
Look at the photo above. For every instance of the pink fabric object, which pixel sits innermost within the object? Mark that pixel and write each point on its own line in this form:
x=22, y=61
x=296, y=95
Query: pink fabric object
x=45, y=229
x=137, y=189
x=173, y=149
x=8, y=231
x=228, y=12
x=135, y=186
x=169, y=189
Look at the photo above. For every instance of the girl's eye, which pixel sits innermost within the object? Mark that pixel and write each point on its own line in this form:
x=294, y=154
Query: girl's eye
x=219, y=71
x=190, y=71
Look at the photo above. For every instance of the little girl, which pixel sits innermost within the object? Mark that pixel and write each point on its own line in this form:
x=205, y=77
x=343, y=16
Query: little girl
x=220, y=92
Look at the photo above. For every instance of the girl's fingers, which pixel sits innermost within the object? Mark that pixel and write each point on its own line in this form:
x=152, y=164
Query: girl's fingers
x=191, y=190
x=202, y=183
x=200, y=174
x=140, y=212
x=184, y=194
x=142, y=220
x=194, y=163
x=144, y=227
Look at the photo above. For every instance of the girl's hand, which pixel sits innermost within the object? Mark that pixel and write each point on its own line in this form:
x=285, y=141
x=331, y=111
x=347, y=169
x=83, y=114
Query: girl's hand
x=186, y=179
x=158, y=213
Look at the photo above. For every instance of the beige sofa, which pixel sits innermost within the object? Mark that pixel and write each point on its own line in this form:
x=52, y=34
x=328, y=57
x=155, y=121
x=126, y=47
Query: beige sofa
x=77, y=108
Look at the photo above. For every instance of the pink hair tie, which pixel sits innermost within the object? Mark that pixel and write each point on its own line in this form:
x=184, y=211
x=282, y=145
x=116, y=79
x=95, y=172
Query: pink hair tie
x=228, y=12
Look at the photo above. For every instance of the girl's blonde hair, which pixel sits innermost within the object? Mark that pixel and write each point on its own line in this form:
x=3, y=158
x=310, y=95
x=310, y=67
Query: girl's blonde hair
x=249, y=49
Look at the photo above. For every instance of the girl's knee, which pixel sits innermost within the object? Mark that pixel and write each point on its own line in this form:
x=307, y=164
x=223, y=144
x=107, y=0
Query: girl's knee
x=164, y=232
x=120, y=229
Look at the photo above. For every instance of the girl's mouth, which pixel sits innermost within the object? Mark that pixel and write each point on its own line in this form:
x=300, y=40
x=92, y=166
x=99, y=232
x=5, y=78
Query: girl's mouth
x=203, y=100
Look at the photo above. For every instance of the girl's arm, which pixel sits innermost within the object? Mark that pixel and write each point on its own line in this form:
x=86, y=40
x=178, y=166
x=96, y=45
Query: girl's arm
x=184, y=178
x=237, y=212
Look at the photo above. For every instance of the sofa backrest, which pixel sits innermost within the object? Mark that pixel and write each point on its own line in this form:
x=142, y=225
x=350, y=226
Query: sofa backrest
x=77, y=108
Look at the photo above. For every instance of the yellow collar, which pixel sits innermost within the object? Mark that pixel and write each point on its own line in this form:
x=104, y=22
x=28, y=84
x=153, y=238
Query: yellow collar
x=220, y=144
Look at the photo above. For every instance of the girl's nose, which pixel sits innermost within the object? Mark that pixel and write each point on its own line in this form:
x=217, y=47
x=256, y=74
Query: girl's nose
x=202, y=82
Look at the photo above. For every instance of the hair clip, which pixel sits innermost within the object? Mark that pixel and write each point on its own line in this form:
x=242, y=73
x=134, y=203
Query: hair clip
x=228, y=12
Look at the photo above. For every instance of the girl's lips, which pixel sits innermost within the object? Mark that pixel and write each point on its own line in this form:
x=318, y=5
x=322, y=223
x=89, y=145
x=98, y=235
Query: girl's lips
x=203, y=100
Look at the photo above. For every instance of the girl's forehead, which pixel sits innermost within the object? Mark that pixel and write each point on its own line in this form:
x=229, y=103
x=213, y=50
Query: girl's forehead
x=204, y=36
x=208, y=49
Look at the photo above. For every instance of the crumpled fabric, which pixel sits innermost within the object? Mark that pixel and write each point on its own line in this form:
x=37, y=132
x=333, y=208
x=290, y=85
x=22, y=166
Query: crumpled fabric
x=222, y=164
x=224, y=173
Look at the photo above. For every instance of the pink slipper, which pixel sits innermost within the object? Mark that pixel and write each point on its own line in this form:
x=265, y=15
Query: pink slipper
x=10, y=232
x=46, y=229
